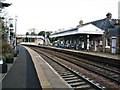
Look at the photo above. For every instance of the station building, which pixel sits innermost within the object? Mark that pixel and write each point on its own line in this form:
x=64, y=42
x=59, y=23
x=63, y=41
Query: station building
x=100, y=35
x=84, y=38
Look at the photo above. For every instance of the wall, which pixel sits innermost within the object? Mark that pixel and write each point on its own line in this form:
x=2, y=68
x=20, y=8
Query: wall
x=118, y=44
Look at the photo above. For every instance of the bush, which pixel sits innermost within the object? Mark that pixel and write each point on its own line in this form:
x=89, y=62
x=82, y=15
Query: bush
x=6, y=47
x=15, y=53
x=53, y=43
x=9, y=57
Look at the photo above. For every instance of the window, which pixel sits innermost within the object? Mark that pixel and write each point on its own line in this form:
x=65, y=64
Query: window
x=100, y=42
x=107, y=43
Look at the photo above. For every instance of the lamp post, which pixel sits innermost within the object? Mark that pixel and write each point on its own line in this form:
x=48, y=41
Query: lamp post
x=15, y=31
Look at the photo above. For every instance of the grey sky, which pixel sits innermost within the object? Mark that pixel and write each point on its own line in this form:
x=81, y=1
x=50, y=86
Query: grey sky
x=52, y=15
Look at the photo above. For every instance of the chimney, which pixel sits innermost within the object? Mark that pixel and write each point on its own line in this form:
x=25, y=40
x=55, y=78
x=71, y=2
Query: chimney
x=109, y=15
x=80, y=22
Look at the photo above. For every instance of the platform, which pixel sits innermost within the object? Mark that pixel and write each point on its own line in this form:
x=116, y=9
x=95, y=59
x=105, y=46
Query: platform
x=46, y=74
x=94, y=53
x=100, y=54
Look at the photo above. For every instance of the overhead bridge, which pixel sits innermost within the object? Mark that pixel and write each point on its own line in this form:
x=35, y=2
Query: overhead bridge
x=30, y=36
x=40, y=40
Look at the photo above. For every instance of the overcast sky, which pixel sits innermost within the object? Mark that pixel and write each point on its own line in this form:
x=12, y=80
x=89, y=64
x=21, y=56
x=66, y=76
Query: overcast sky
x=51, y=15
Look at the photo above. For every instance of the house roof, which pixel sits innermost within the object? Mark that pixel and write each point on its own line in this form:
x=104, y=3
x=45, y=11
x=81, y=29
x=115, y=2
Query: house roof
x=90, y=29
x=104, y=24
x=86, y=29
x=108, y=26
x=113, y=32
x=94, y=27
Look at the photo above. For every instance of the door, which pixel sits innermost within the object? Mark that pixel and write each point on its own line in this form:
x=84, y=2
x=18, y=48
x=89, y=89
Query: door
x=114, y=45
x=96, y=45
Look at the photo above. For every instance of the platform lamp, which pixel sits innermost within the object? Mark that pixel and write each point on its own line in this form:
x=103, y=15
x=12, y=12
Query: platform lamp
x=15, y=31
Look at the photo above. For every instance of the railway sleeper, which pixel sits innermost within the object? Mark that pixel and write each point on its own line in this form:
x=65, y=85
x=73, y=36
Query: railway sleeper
x=68, y=76
x=74, y=77
x=115, y=76
x=74, y=84
x=77, y=83
x=64, y=74
x=72, y=81
x=67, y=79
x=62, y=71
x=84, y=87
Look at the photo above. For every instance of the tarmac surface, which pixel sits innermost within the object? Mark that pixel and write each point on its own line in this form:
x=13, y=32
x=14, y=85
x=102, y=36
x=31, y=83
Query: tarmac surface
x=31, y=72
x=22, y=74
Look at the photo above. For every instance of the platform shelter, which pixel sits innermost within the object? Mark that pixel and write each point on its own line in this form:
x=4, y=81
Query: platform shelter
x=87, y=37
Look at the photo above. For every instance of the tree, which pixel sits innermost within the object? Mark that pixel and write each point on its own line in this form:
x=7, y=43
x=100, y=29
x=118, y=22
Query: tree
x=33, y=33
x=42, y=33
x=27, y=33
x=4, y=46
x=47, y=34
x=26, y=39
x=2, y=5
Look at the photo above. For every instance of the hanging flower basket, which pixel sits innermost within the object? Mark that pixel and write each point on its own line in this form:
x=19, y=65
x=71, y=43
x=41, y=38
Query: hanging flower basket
x=3, y=65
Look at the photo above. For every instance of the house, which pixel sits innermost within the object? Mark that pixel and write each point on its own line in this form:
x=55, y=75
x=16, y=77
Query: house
x=111, y=36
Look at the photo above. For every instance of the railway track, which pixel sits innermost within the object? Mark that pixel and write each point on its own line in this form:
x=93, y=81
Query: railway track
x=105, y=71
x=110, y=73
x=74, y=79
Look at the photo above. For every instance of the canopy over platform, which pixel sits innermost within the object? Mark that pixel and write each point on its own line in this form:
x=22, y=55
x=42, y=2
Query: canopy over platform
x=86, y=29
